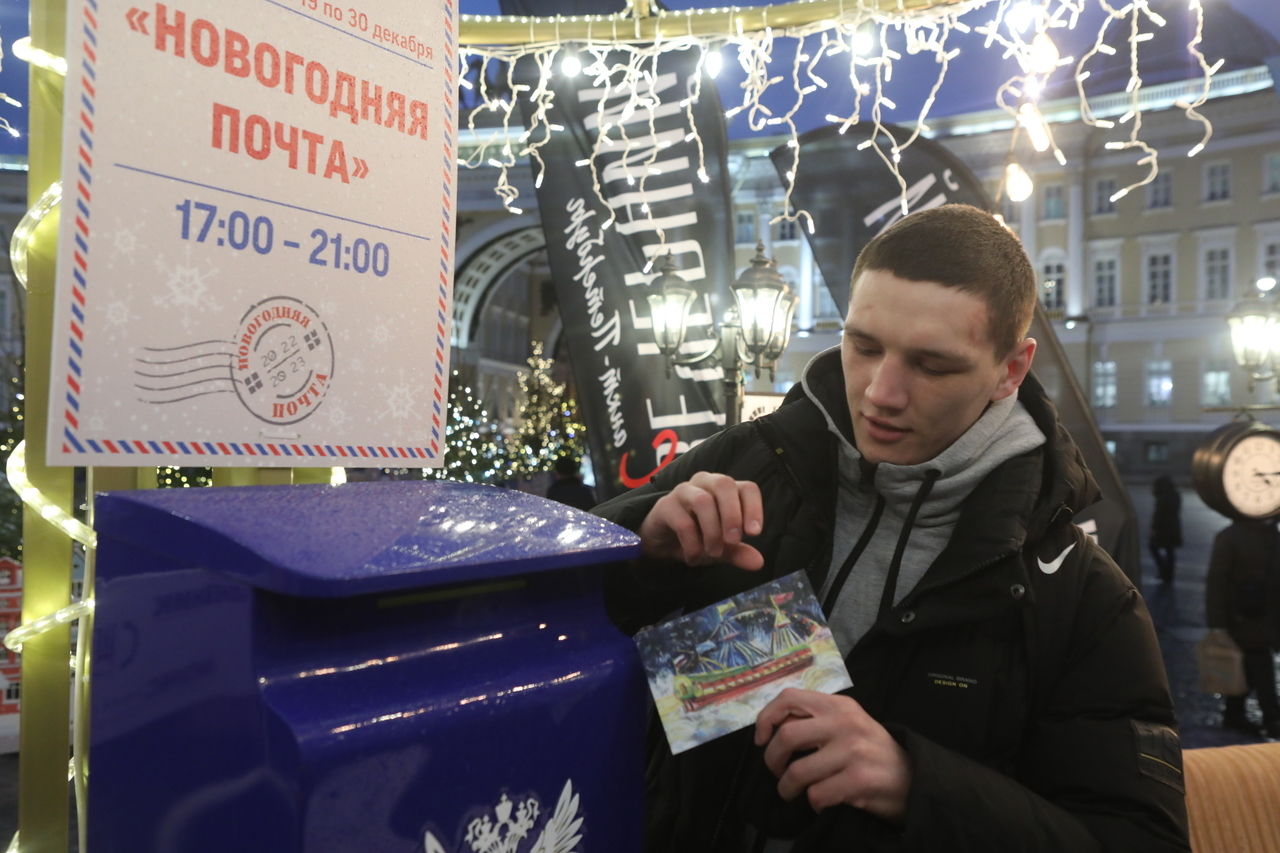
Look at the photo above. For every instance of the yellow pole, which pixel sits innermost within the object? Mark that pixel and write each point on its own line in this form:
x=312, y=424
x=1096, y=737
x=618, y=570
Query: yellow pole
x=44, y=740
x=513, y=30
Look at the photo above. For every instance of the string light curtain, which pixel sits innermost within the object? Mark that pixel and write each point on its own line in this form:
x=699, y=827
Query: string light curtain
x=616, y=53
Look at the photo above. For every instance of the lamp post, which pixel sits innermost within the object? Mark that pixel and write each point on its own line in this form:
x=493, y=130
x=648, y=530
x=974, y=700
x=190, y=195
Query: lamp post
x=1254, y=323
x=754, y=333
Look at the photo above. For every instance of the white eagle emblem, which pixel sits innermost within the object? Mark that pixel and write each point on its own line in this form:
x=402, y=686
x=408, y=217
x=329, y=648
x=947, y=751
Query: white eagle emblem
x=511, y=823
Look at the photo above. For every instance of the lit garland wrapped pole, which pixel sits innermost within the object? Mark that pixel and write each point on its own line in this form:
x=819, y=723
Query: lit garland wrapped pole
x=616, y=52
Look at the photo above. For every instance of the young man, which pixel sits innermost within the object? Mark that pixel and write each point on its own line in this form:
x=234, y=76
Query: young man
x=1008, y=692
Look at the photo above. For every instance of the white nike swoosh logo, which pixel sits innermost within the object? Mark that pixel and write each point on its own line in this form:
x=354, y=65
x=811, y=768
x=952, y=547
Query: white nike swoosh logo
x=1051, y=567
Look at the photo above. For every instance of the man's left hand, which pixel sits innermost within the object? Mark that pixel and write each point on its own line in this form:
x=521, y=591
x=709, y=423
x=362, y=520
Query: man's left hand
x=830, y=749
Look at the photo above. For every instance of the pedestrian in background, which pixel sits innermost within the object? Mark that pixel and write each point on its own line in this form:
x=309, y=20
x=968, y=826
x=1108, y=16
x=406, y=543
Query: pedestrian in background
x=1166, y=527
x=1242, y=597
x=568, y=487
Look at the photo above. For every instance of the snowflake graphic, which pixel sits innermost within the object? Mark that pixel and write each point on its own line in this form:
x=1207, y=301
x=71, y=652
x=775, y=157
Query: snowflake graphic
x=96, y=425
x=124, y=243
x=338, y=416
x=400, y=398
x=380, y=334
x=118, y=313
x=187, y=287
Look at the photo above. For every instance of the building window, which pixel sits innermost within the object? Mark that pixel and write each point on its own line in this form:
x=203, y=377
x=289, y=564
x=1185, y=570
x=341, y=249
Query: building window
x=1103, y=190
x=1159, y=279
x=1052, y=284
x=1159, y=383
x=1054, y=206
x=13, y=692
x=1217, y=273
x=1160, y=191
x=1104, y=282
x=1271, y=174
x=1216, y=388
x=1271, y=260
x=1217, y=182
x=744, y=228
x=1155, y=451
x=1104, y=384
x=785, y=230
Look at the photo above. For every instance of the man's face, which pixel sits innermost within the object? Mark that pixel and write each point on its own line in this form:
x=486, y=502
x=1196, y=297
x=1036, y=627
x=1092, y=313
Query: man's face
x=919, y=366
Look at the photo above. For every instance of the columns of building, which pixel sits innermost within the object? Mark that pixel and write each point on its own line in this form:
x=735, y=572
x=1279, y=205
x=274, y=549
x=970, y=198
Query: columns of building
x=1073, y=271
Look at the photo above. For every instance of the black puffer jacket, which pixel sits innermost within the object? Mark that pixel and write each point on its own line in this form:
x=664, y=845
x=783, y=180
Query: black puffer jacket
x=1242, y=591
x=1033, y=704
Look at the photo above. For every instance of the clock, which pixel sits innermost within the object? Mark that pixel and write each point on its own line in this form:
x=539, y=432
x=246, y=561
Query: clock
x=1237, y=470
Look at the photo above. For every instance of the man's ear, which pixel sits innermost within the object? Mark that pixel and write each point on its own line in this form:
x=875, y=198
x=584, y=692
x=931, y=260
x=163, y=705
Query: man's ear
x=1014, y=368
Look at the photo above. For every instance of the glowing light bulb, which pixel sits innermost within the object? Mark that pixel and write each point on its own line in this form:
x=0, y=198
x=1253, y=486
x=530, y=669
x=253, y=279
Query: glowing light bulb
x=1044, y=54
x=863, y=43
x=714, y=63
x=1017, y=183
x=1037, y=131
x=1020, y=16
x=571, y=65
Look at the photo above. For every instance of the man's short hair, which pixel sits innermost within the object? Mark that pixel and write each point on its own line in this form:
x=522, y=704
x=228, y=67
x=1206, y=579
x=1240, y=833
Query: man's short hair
x=958, y=245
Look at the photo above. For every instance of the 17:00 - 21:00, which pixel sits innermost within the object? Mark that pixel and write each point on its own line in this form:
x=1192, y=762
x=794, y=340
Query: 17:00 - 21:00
x=238, y=230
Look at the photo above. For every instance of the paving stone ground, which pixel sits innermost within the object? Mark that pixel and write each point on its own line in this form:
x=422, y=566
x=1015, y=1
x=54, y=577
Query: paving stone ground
x=1178, y=611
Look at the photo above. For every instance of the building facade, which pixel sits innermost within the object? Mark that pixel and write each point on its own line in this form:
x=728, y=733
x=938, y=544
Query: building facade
x=1137, y=289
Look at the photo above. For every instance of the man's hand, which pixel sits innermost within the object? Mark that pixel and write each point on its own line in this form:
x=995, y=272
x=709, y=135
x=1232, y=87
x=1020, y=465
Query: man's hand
x=703, y=520
x=848, y=757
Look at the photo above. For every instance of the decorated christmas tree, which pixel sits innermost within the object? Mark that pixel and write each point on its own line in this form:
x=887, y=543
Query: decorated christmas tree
x=548, y=422
x=473, y=451
x=170, y=477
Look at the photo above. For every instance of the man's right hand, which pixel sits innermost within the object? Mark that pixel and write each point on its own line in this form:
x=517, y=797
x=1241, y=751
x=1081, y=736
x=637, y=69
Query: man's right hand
x=703, y=520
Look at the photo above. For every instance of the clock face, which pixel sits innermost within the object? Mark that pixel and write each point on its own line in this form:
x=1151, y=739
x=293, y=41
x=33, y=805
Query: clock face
x=1251, y=476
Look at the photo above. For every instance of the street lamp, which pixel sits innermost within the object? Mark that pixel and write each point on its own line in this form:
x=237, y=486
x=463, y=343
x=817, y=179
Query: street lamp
x=1254, y=323
x=754, y=333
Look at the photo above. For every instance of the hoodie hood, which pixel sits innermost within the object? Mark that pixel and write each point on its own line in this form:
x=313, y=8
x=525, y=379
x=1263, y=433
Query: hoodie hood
x=1065, y=484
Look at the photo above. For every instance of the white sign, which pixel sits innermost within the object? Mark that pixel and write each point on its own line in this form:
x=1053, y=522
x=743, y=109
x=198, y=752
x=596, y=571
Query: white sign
x=758, y=404
x=256, y=252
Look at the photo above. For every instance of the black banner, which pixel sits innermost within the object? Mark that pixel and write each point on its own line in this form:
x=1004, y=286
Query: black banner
x=853, y=196
x=656, y=184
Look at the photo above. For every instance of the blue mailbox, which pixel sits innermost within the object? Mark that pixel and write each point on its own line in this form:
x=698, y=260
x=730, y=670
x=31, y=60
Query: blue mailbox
x=414, y=667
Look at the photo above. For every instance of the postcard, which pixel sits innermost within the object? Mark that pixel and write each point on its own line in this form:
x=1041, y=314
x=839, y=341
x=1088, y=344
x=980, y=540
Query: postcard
x=712, y=670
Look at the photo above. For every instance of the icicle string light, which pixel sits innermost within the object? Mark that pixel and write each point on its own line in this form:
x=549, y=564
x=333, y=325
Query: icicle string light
x=624, y=48
x=1190, y=108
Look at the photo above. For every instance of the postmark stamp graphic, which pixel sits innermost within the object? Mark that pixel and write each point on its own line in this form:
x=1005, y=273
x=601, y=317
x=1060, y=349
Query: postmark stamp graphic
x=283, y=360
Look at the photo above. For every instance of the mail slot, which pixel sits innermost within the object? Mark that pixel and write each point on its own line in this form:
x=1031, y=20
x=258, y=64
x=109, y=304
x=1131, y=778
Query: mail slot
x=368, y=667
